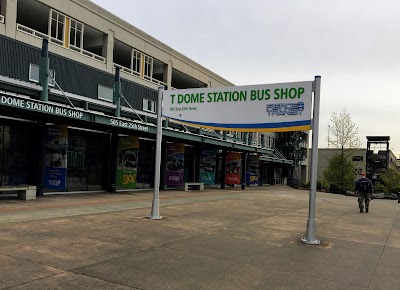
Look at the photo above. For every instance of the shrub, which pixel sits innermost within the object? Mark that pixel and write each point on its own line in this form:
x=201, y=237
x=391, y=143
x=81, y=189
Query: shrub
x=379, y=187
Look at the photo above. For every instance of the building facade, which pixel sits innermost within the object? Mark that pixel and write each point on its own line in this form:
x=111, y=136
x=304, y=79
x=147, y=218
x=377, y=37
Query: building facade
x=356, y=155
x=78, y=104
x=379, y=157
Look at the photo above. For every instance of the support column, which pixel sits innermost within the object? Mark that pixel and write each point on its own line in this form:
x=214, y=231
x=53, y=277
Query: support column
x=223, y=168
x=108, y=50
x=10, y=17
x=44, y=71
x=387, y=155
x=271, y=174
x=112, y=177
x=163, y=164
x=167, y=74
x=39, y=158
x=261, y=172
x=250, y=139
x=197, y=163
x=245, y=137
x=117, y=93
x=165, y=123
x=243, y=177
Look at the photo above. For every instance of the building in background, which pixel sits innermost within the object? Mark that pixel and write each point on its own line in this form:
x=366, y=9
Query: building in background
x=379, y=157
x=356, y=155
x=376, y=159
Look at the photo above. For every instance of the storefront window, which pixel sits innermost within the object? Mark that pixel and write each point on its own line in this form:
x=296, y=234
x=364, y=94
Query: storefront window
x=145, y=177
x=15, y=156
x=85, y=160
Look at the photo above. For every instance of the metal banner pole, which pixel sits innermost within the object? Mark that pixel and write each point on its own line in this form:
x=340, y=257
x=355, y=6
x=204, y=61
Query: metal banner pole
x=155, y=209
x=311, y=223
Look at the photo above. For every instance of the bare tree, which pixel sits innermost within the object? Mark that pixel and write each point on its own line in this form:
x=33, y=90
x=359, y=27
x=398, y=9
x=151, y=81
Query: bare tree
x=343, y=133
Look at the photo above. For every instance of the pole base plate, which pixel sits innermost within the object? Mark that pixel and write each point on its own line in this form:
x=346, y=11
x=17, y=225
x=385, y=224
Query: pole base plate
x=155, y=217
x=315, y=242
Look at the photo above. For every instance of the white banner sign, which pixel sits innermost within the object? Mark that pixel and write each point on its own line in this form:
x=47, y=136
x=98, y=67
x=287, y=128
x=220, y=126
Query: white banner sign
x=257, y=108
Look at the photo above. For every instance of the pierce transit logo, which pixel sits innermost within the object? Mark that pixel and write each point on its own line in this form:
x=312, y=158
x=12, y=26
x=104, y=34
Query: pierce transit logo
x=283, y=109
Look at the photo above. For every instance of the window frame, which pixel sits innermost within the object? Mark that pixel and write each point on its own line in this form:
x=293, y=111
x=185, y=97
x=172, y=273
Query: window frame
x=50, y=80
x=148, y=66
x=108, y=88
x=136, y=59
x=51, y=19
x=146, y=105
x=74, y=28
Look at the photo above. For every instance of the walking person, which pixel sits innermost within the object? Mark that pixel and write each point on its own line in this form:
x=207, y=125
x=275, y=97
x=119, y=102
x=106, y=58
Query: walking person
x=364, y=191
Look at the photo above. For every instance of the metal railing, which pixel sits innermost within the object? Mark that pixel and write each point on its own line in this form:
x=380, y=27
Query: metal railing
x=57, y=41
x=136, y=74
x=278, y=154
x=150, y=79
x=87, y=53
x=60, y=43
x=1, y=19
x=31, y=31
x=280, y=180
x=127, y=70
x=93, y=56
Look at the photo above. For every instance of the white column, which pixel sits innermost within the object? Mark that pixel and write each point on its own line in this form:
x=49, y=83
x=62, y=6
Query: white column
x=108, y=50
x=10, y=17
x=167, y=74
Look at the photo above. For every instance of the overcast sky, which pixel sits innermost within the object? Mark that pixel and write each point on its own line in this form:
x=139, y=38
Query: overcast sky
x=353, y=44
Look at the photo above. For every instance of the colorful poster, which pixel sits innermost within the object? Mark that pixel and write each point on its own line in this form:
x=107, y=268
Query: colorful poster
x=233, y=161
x=208, y=161
x=128, y=149
x=55, y=152
x=252, y=169
x=175, y=164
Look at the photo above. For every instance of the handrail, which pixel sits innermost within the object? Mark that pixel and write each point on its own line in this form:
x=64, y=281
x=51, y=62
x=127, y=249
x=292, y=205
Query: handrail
x=57, y=41
x=278, y=154
x=136, y=74
x=280, y=180
x=31, y=31
x=60, y=43
x=127, y=70
x=150, y=79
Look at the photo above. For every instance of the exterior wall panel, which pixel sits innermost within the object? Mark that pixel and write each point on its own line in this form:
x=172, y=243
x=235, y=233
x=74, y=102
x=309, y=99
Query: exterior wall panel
x=72, y=76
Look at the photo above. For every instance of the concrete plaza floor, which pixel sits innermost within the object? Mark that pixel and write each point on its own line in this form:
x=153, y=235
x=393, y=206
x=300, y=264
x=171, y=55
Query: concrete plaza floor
x=211, y=239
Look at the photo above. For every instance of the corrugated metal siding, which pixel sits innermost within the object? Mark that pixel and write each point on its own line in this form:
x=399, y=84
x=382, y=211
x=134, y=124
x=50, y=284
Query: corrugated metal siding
x=15, y=59
x=73, y=77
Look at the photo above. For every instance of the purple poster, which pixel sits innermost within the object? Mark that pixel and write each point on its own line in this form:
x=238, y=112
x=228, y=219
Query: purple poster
x=174, y=164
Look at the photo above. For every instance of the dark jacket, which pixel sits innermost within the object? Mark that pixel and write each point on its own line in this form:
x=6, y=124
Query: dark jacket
x=358, y=184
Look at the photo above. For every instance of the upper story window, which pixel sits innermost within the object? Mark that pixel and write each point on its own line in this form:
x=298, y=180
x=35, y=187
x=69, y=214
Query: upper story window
x=76, y=34
x=57, y=26
x=148, y=66
x=136, y=56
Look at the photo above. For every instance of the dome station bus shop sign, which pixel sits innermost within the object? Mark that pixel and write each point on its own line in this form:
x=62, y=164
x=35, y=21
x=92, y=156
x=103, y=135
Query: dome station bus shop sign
x=257, y=108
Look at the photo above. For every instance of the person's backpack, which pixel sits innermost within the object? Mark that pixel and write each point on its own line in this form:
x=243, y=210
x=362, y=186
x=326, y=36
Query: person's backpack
x=364, y=186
